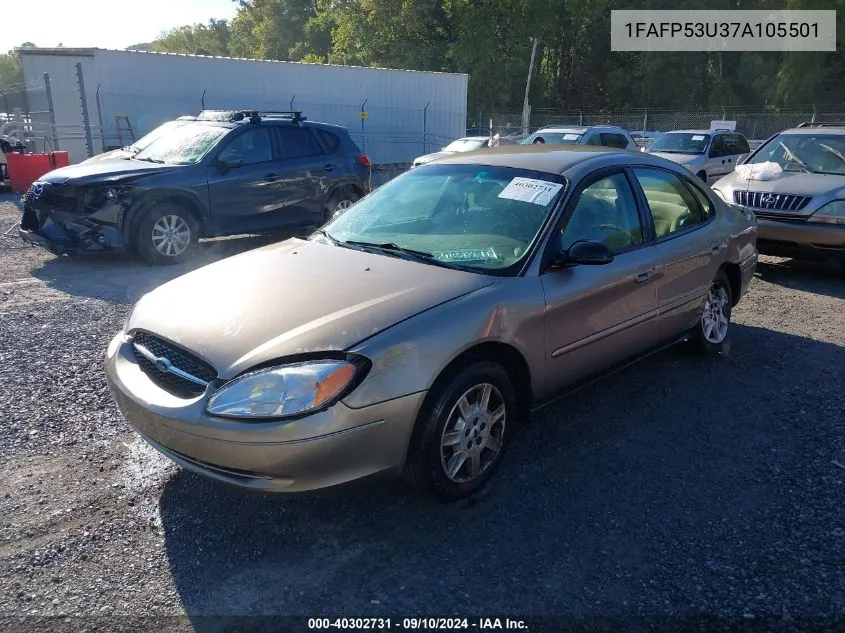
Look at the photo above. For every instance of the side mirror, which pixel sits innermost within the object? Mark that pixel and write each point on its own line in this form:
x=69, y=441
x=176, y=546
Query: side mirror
x=588, y=253
x=230, y=162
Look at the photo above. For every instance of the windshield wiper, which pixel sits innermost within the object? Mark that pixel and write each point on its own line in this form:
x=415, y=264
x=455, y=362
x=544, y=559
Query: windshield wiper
x=790, y=156
x=150, y=160
x=327, y=236
x=390, y=247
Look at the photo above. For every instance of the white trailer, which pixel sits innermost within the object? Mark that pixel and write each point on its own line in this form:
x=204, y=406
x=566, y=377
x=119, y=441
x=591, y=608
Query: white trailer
x=394, y=115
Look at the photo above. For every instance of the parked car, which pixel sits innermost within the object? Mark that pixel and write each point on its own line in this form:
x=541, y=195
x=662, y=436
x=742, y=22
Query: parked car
x=465, y=144
x=441, y=310
x=606, y=135
x=709, y=154
x=801, y=211
x=141, y=143
x=225, y=173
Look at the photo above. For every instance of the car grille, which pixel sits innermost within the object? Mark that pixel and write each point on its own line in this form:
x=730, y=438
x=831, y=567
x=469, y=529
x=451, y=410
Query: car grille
x=771, y=201
x=181, y=373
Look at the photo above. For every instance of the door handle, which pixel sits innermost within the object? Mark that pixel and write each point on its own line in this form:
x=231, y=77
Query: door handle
x=329, y=167
x=645, y=276
x=723, y=161
x=271, y=177
x=730, y=159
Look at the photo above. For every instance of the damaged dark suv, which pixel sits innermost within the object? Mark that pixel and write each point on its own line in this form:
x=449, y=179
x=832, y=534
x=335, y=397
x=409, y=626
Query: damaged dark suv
x=227, y=173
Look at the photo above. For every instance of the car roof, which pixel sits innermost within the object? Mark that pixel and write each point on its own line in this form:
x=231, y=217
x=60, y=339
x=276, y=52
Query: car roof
x=580, y=129
x=702, y=132
x=815, y=131
x=551, y=159
x=472, y=138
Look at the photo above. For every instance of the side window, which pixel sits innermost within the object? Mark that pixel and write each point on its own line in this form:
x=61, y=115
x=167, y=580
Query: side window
x=593, y=139
x=614, y=140
x=673, y=207
x=605, y=212
x=252, y=146
x=717, y=147
x=297, y=142
x=331, y=141
x=731, y=144
x=703, y=201
x=742, y=144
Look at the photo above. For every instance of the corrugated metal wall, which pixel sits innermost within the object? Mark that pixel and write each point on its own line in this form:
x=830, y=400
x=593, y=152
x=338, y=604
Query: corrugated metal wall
x=151, y=88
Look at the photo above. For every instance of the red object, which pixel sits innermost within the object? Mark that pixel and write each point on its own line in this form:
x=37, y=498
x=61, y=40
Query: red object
x=25, y=169
x=363, y=160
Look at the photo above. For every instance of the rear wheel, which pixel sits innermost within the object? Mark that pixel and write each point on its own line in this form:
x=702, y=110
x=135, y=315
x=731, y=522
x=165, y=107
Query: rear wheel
x=339, y=202
x=167, y=234
x=461, y=435
x=714, y=325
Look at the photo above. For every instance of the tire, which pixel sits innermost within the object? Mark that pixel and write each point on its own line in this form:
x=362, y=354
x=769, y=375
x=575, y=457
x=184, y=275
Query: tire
x=714, y=325
x=152, y=241
x=338, y=202
x=703, y=175
x=440, y=420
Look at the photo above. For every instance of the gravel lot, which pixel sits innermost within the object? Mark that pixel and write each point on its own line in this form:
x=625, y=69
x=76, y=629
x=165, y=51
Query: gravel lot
x=681, y=492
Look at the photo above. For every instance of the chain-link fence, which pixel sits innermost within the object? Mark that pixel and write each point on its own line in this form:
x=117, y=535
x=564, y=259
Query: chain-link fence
x=754, y=123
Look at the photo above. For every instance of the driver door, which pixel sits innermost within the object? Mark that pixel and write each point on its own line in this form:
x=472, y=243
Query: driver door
x=600, y=315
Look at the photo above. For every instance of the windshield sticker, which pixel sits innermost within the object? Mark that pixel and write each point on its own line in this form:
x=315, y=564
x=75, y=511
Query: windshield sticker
x=698, y=137
x=571, y=137
x=467, y=255
x=530, y=190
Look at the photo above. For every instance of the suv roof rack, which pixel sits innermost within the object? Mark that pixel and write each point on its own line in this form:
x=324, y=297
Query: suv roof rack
x=254, y=116
x=825, y=124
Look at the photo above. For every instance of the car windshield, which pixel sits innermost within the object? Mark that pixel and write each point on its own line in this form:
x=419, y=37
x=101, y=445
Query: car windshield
x=557, y=138
x=465, y=145
x=148, y=138
x=184, y=145
x=680, y=143
x=817, y=153
x=469, y=216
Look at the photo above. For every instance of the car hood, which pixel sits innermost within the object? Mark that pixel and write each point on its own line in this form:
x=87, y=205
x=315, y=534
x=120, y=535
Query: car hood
x=433, y=156
x=111, y=155
x=290, y=298
x=104, y=170
x=797, y=182
x=681, y=159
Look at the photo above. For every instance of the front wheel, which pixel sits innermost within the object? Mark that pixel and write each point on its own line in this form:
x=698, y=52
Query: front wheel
x=462, y=434
x=703, y=176
x=167, y=234
x=714, y=325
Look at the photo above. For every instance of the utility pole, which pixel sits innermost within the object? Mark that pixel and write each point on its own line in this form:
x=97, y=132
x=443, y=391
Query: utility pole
x=526, y=112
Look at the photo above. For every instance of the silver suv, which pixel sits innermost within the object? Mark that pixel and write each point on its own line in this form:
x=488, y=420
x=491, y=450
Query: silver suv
x=800, y=211
x=709, y=154
x=605, y=135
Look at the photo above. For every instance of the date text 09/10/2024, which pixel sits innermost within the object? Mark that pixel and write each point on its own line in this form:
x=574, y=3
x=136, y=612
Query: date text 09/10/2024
x=416, y=624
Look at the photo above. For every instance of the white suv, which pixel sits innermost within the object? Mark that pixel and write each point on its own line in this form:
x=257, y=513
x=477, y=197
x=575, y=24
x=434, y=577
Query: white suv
x=709, y=154
x=607, y=135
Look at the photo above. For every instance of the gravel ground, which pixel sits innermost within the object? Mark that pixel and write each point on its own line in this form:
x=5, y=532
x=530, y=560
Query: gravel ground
x=682, y=492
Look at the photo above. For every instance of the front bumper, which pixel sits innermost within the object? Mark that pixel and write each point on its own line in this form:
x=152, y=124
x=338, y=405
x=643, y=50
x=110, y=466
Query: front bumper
x=64, y=232
x=800, y=238
x=329, y=448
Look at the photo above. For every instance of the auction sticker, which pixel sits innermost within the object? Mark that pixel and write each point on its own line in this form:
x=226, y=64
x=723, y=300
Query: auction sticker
x=530, y=190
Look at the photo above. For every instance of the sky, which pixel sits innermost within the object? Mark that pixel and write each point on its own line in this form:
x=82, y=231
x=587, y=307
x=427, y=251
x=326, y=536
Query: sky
x=100, y=23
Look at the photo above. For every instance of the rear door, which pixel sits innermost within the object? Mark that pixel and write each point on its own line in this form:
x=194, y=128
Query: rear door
x=242, y=196
x=717, y=163
x=308, y=173
x=597, y=316
x=682, y=219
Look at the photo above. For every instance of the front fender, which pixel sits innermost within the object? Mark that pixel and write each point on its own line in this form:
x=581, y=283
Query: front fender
x=408, y=357
x=148, y=198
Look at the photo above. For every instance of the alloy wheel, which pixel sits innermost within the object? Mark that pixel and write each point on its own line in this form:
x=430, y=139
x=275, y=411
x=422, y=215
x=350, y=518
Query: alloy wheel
x=171, y=235
x=714, y=319
x=473, y=434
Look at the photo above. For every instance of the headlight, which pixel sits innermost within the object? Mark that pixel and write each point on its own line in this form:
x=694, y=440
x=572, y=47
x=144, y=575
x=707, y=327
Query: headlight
x=111, y=194
x=279, y=392
x=831, y=213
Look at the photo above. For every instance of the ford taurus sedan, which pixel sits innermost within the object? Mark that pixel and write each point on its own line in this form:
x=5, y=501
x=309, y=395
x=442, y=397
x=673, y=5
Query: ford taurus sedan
x=413, y=333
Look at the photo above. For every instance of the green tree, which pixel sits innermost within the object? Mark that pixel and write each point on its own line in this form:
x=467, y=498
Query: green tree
x=197, y=39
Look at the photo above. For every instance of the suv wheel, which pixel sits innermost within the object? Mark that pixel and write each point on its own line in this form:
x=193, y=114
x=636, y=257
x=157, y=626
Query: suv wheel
x=167, y=234
x=339, y=202
x=461, y=435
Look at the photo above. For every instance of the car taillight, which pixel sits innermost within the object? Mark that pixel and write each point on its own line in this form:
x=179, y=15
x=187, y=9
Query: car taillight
x=363, y=160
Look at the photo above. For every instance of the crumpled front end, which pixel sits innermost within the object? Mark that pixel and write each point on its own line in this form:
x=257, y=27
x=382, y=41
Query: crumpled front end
x=65, y=218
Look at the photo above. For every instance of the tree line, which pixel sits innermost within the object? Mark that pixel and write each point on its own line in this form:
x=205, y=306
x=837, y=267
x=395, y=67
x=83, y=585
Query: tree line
x=491, y=41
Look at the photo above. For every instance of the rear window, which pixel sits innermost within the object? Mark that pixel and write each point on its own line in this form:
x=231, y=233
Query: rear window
x=297, y=142
x=331, y=141
x=736, y=144
x=613, y=140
